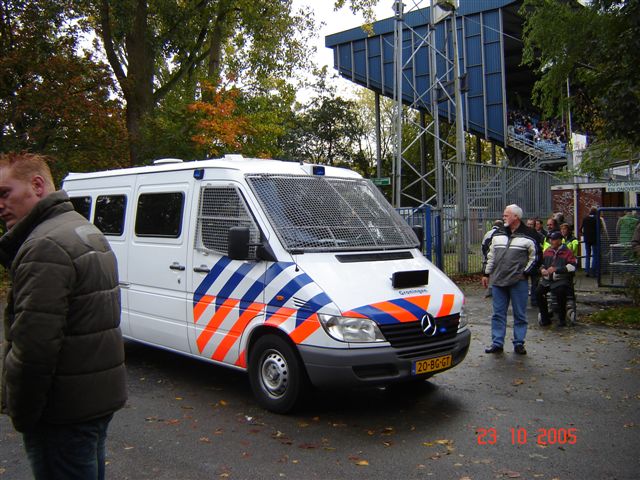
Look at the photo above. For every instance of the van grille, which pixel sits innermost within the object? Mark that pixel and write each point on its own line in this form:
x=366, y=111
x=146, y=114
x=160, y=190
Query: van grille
x=409, y=334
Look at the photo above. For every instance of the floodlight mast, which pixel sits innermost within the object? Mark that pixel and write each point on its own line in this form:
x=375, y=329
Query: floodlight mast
x=439, y=11
x=437, y=154
x=398, y=8
x=462, y=207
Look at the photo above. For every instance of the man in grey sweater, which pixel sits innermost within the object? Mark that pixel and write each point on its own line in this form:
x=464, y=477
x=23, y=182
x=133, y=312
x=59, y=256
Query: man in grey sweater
x=514, y=254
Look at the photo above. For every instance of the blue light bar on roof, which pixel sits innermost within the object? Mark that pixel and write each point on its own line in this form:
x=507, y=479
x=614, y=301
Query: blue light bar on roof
x=318, y=170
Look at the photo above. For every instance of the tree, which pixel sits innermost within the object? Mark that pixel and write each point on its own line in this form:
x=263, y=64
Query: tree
x=153, y=45
x=55, y=99
x=270, y=116
x=327, y=129
x=365, y=100
x=597, y=48
x=220, y=126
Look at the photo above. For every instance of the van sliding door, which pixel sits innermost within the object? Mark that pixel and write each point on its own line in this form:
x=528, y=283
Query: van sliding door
x=158, y=259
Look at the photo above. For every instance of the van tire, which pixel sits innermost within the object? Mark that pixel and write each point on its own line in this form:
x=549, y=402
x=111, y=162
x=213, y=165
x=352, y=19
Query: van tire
x=276, y=374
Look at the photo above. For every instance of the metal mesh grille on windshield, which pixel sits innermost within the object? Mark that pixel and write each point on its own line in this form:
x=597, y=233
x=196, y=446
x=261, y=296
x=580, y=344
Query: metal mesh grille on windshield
x=319, y=213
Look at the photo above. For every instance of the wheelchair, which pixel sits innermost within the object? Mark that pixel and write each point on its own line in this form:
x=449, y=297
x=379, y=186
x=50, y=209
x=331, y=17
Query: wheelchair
x=552, y=303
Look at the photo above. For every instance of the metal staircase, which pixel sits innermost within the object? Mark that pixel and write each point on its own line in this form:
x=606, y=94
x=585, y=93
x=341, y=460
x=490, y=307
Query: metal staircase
x=541, y=155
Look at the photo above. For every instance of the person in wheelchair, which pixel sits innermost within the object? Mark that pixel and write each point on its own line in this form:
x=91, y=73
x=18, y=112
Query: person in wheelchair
x=556, y=276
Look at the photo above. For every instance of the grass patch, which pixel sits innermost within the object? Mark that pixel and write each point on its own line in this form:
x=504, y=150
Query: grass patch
x=627, y=316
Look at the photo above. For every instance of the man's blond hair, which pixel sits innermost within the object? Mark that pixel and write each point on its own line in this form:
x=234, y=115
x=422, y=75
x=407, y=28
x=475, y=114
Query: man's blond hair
x=24, y=166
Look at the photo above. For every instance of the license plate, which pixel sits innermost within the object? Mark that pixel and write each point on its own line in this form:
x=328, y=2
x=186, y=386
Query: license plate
x=431, y=365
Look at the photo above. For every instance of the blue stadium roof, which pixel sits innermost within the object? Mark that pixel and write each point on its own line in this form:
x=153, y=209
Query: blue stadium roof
x=489, y=50
x=413, y=19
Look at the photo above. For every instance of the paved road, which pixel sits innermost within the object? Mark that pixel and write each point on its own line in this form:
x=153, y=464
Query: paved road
x=578, y=390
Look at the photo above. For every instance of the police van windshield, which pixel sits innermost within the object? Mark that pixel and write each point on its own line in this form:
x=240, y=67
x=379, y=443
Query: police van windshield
x=321, y=213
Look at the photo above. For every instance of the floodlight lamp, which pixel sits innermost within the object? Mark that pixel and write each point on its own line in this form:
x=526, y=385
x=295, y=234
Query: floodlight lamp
x=447, y=5
x=398, y=8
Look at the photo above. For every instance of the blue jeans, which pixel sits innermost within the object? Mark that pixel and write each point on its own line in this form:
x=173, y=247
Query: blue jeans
x=588, y=249
x=592, y=258
x=518, y=294
x=68, y=452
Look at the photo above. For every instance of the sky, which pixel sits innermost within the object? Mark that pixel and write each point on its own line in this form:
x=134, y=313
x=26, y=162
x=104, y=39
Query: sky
x=335, y=22
x=339, y=21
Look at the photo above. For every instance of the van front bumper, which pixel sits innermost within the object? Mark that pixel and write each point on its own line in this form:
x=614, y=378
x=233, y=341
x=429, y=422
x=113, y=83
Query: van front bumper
x=361, y=367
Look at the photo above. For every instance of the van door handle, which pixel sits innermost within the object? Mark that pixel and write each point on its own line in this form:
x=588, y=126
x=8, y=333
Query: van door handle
x=177, y=266
x=201, y=269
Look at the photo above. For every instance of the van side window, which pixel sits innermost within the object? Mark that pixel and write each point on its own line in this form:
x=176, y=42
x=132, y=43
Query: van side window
x=109, y=217
x=160, y=214
x=220, y=209
x=82, y=205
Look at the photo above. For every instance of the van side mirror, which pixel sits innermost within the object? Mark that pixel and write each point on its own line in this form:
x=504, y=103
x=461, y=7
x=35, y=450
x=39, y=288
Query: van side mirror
x=238, y=248
x=240, y=243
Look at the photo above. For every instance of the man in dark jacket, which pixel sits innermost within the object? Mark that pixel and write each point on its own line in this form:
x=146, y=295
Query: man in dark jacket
x=535, y=275
x=589, y=231
x=558, y=263
x=513, y=254
x=63, y=374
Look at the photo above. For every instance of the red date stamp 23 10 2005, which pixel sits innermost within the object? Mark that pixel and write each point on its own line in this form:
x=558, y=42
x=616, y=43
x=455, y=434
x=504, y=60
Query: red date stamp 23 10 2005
x=521, y=436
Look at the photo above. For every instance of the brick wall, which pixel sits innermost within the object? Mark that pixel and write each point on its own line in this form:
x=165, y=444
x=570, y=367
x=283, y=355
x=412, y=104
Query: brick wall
x=587, y=198
x=562, y=201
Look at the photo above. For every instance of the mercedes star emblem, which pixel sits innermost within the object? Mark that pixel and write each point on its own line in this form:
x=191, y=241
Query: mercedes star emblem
x=428, y=325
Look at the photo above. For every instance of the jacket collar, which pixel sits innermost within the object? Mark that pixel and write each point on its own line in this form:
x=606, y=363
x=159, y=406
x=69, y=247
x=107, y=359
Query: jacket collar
x=51, y=205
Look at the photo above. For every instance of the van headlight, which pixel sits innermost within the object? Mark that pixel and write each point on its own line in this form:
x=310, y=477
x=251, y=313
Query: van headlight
x=348, y=329
x=463, y=322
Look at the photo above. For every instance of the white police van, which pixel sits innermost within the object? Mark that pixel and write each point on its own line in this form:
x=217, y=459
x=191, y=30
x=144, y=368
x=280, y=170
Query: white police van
x=296, y=273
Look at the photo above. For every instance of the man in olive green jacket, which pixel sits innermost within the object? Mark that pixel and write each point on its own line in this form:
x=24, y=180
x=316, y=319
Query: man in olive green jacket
x=63, y=372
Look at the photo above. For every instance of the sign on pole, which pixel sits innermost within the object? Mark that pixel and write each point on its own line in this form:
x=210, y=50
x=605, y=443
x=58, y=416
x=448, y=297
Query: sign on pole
x=381, y=181
x=624, y=186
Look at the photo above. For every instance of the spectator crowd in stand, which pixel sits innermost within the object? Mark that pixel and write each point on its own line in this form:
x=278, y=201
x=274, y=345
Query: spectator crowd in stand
x=547, y=135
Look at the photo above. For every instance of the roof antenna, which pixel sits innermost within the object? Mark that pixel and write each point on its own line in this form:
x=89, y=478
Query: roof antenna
x=294, y=256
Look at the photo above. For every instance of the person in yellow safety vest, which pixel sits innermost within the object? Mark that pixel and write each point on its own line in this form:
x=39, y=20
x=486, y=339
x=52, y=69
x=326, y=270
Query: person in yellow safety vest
x=568, y=239
x=552, y=226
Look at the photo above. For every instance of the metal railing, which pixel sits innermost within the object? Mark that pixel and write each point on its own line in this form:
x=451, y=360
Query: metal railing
x=616, y=259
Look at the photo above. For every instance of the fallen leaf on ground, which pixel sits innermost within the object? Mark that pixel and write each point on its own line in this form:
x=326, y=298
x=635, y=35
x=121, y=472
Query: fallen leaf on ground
x=358, y=461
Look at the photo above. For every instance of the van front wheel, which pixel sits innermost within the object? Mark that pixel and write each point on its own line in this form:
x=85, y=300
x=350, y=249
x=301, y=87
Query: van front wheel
x=276, y=375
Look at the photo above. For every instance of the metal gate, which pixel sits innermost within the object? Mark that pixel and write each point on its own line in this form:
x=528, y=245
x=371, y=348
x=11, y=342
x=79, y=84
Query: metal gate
x=489, y=189
x=617, y=262
x=421, y=217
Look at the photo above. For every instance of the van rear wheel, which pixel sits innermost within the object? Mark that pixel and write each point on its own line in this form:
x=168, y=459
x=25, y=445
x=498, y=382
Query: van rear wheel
x=276, y=374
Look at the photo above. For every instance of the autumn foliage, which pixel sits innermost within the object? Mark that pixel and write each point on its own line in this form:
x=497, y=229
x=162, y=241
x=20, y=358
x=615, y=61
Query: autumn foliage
x=220, y=126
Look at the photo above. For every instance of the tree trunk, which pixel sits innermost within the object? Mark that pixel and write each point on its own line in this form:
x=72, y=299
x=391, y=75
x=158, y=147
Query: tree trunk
x=137, y=82
x=218, y=33
x=141, y=57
